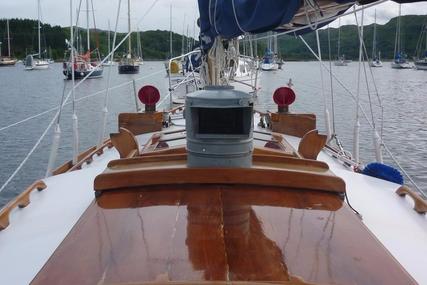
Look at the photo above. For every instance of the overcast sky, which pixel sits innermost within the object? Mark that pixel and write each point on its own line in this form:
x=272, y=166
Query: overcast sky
x=56, y=12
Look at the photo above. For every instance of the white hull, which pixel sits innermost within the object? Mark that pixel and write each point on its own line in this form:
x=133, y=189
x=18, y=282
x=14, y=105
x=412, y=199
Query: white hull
x=269, y=66
x=340, y=63
x=421, y=65
x=376, y=64
x=109, y=63
x=400, y=65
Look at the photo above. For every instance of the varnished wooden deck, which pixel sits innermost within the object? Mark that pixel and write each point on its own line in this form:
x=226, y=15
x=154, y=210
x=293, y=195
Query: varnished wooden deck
x=220, y=233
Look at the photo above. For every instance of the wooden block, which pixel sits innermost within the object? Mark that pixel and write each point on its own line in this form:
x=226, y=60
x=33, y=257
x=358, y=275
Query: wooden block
x=293, y=124
x=141, y=123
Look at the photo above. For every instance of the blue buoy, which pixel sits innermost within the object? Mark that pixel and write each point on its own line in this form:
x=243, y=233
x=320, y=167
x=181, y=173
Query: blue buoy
x=382, y=171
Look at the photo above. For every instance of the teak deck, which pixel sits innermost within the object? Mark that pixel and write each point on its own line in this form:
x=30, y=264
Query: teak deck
x=223, y=233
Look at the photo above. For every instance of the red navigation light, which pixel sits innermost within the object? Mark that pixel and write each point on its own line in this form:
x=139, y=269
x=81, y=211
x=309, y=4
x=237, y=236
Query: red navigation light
x=149, y=95
x=284, y=96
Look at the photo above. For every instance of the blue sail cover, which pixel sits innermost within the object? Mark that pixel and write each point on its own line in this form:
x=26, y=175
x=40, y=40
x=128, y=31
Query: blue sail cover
x=232, y=18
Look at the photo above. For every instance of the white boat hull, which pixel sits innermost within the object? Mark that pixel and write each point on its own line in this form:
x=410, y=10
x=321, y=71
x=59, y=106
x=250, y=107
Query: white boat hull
x=421, y=64
x=269, y=66
x=404, y=65
x=376, y=64
x=340, y=63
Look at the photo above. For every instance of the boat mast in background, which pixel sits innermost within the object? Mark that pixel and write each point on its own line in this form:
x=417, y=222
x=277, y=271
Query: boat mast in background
x=340, y=58
x=8, y=38
x=129, y=65
x=170, y=32
x=7, y=60
x=399, y=61
x=376, y=60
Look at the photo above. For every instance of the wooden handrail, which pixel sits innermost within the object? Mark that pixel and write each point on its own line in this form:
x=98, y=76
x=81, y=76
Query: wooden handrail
x=420, y=205
x=22, y=201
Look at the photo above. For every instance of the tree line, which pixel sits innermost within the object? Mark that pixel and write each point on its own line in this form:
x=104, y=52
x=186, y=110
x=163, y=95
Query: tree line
x=155, y=44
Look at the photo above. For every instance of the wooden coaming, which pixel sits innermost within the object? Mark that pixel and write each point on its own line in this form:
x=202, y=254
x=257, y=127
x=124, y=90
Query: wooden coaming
x=217, y=234
x=172, y=169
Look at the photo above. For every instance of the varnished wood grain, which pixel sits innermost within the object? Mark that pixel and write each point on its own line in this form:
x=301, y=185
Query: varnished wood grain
x=189, y=234
x=177, y=172
x=293, y=124
x=141, y=123
x=311, y=144
x=125, y=143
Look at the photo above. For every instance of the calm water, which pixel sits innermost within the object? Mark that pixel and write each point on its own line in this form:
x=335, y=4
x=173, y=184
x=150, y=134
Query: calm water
x=25, y=93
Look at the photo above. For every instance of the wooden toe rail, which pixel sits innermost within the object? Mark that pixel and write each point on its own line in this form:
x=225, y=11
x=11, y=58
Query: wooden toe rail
x=21, y=201
x=420, y=205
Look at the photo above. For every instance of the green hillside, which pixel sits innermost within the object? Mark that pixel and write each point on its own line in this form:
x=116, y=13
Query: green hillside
x=23, y=33
x=294, y=49
x=156, y=43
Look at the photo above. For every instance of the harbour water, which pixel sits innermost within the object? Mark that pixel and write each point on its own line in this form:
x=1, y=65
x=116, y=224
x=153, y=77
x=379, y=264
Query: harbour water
x=27, y=93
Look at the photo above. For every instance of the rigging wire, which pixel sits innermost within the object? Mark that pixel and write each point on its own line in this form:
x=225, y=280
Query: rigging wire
x=332, y=85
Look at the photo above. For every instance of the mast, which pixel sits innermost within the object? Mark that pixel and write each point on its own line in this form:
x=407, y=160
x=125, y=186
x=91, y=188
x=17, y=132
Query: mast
x=108, y=33
x=275, y=44
x=87, y=26
x=8, y=37
x=170, y=32
x=374, y=40
x=397, y=38
x=38, y=27
x=182, y=38
x=129, y=29
x=339, y=37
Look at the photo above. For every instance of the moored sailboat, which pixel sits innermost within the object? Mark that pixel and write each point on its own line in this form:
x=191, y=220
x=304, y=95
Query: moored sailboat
x=83, y=63
x=420, y=59
x=128, y=64
x=7, y=60
x=400, y=58
x=37, y=61
x=340, y=61
x=376, y=55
